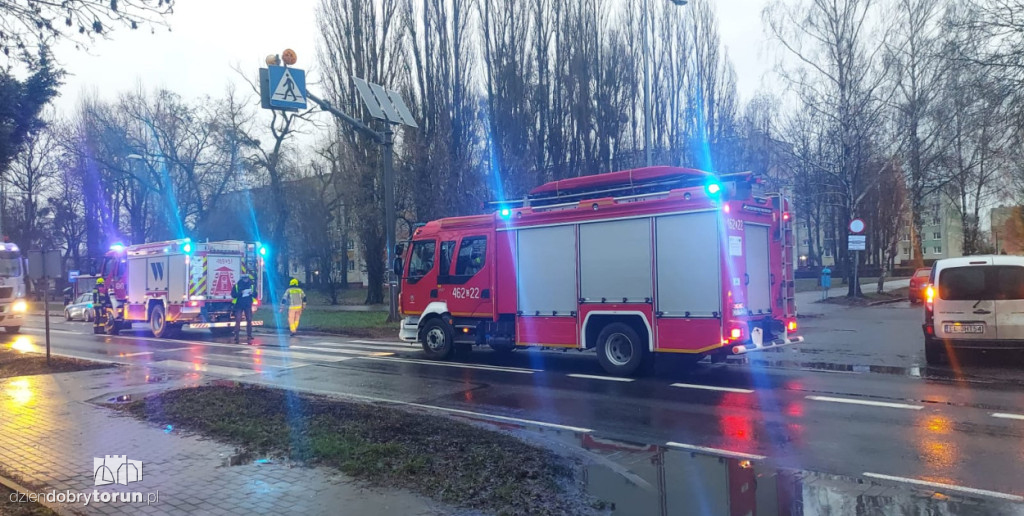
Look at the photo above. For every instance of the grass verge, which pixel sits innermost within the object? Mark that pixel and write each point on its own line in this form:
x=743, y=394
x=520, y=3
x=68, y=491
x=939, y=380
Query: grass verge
x=17, y=363
x=357, y=324
x=18, y=508
x=450, y=461
x=870, y=298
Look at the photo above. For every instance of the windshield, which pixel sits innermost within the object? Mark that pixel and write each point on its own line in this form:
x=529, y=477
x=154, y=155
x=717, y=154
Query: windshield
x=998, y=282
x=923, y=273
x=10, y=266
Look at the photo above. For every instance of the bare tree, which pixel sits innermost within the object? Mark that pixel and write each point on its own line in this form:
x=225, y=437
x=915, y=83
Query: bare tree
x=840, y=79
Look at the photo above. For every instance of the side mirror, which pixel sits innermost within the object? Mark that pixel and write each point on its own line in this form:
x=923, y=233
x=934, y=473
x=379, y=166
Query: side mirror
x=397, y=267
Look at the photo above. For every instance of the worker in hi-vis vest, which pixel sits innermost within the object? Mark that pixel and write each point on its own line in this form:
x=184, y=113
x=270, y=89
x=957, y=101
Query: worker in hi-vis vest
x=295, y=300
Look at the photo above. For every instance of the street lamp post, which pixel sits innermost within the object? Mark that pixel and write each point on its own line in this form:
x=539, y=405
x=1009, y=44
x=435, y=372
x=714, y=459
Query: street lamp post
x=647, y=78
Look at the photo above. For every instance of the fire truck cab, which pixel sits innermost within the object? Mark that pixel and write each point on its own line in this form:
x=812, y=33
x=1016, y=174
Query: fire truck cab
x=179, y=283
x=630, y=264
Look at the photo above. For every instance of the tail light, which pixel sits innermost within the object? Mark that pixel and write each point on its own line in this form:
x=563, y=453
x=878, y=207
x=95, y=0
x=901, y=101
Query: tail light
x=791, y=326
x=736, y=334
x=929, y=294
x=194, y=303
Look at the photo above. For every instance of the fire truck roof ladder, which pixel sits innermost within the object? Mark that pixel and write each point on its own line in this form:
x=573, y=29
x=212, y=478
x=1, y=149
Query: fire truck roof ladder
x=618, y=184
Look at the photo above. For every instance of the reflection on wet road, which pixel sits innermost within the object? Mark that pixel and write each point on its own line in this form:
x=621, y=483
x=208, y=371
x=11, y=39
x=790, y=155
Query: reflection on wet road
x=776, y=431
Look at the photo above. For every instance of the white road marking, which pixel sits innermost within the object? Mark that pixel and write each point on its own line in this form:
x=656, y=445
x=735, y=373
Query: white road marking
x=170, y=350
x=456, y=364
x=361, y=352
x=290, y=354
x=401, y=345
x=716, y=451
x=1003, y=415
x=947, y=487
x=609, y=378
x=866, y=402
x=52, y=330
x=249, y=362
x=711, y=388
x=204, y=368
x=136, y=354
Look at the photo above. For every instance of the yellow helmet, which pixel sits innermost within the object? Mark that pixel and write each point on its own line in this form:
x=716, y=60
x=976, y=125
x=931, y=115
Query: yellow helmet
x=294, y=282
x=99, y=281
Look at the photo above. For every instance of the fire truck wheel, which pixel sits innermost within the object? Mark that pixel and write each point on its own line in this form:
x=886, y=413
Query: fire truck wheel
x=620, y=349
x=436, y=337
x=158, y=322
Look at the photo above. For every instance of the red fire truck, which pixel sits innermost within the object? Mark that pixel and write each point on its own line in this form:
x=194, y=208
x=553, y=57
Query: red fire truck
x=179, y=283
x=630, y=263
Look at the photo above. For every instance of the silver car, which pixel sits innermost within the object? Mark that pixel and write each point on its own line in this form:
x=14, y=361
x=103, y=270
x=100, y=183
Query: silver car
x=81, y=309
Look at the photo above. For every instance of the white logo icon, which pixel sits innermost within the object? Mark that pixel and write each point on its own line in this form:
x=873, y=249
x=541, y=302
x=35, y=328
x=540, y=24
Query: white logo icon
x=116, y=469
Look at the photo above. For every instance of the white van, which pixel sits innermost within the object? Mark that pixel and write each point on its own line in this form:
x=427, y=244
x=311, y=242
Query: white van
x=974, y=302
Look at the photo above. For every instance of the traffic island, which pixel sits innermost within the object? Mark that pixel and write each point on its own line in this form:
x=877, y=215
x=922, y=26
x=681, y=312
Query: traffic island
x=370, y=324
x=870, y=298
x=30, y=361
x=450, y=461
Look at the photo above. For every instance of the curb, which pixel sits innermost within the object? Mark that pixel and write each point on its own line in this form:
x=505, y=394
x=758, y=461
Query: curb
x=886, y=301
x=18, y=488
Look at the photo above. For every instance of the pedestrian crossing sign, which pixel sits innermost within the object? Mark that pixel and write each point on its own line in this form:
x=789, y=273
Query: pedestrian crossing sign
x=287, y=87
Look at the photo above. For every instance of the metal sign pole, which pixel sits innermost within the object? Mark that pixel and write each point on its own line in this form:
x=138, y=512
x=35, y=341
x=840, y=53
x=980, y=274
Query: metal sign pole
x=856, y=280
x=389, y=218
x=46, y=307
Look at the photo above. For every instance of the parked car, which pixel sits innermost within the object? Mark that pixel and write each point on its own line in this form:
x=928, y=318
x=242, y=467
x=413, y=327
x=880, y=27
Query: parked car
x=974, y=302
x=918, y=285
x=81, y=309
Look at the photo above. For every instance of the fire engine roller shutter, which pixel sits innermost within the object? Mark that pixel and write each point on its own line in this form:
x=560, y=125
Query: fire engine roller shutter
x=615, y=261
x=546, y=270
x=759, y=296
x=689, y=265
x=136, y=279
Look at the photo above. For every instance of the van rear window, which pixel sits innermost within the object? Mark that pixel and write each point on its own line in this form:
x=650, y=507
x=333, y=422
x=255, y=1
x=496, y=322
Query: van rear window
x=982, y=283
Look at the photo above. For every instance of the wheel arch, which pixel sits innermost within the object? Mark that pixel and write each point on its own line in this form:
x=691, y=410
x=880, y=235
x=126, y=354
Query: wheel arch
x=595, y=321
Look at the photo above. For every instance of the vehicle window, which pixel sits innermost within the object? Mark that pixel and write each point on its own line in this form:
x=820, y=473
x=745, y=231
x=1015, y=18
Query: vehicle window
x=923, y=273
x=447, y=250
x=10, y=265
x=85, y=298
x=421, y=259
x=472, y=253
x=994, y=282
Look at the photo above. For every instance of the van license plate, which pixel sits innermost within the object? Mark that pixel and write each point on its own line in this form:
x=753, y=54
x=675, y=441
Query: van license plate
x=964, y=328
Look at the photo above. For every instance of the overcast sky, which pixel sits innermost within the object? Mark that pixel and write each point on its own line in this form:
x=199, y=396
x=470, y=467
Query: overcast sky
x=208, y=38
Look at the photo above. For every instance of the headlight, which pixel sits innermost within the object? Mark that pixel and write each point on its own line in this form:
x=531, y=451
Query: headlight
x=19, y=306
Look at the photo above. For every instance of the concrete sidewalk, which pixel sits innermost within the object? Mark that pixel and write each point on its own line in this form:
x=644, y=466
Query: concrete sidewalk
x=807, y=302
x=51, y=430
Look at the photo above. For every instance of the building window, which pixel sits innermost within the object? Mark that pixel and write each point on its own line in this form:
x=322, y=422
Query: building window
x=906, y=250
x=350, y=245
x=828, y=252
x=937, y=249
x=807, y=241
x=937, y=235
x=351, y=265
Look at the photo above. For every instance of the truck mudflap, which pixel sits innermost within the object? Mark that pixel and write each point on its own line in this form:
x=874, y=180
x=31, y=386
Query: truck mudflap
x=223, y=324
x=741, y=349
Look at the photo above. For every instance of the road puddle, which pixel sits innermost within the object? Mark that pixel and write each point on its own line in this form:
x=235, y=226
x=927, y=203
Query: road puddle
x=661, y=480
x=628, y=478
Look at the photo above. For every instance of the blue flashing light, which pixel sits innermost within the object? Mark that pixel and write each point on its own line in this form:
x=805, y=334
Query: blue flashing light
x=505, y=213
x=263, y=250
x=117, y=248
x=713, y=188
x=188, y=247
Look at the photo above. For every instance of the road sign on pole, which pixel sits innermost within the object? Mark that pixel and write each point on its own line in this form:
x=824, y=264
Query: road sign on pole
x=286, y=87
x=857, y=242
x=856, y=226
x=45, y=265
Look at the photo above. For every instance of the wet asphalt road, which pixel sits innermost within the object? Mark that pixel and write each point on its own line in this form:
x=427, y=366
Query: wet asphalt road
x=856, y=399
